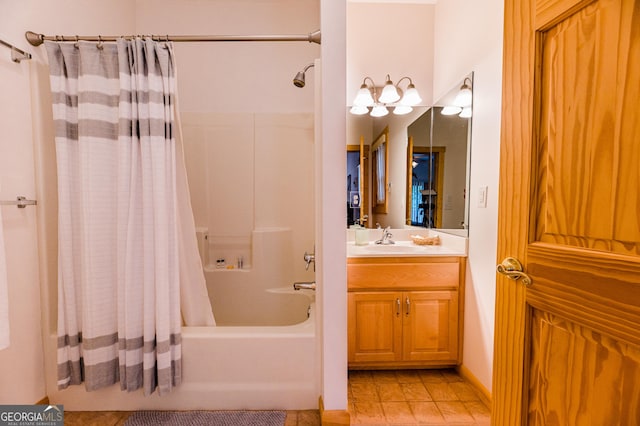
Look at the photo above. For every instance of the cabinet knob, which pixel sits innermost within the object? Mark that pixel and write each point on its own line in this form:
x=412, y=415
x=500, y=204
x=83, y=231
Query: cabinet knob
x=397, y=306
x=408, y=303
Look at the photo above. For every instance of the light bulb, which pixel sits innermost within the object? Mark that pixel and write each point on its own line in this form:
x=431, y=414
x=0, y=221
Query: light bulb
x=466, y=112
x=389, y=93
x=363, y=97
x=359, y=110
x=411, y=96
x=379, y=111
x=402, y=109
x=464, y=96
x=450, y=110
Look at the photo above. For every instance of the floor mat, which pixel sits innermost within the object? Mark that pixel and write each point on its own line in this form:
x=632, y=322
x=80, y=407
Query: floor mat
x=202, y=418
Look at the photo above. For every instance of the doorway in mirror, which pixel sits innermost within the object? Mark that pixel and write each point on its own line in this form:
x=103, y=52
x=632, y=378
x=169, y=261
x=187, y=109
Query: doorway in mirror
x=425, y=184
x=357, y=184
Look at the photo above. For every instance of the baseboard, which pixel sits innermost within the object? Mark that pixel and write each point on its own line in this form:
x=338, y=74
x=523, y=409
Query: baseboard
x=43, y=401
x=473, y=380
x=333, y=417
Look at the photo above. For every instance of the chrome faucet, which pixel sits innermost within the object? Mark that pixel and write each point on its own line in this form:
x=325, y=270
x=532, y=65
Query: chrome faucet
x=385, y=239
x=300, y=285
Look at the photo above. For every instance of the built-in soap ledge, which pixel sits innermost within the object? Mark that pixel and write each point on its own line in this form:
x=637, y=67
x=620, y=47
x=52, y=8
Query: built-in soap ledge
x=450, y=244
x=227, y=268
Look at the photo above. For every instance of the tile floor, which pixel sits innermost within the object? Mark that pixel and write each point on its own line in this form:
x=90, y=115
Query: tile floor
x=414, y=397
x=380, y=398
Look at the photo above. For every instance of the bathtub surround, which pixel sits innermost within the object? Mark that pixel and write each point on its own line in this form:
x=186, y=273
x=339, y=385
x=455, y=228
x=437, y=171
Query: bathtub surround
x=4, y=293
x=250, y=172
x=119, y=262
x=193, y=287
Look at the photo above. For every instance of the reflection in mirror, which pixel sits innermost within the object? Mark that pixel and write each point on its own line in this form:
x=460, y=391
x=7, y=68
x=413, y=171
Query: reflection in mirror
x=380, y=170
x=438, y=163
x=417, y=152
x=357, y=183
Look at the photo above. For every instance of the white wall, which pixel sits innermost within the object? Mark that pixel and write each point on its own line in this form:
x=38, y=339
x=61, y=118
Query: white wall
x=468, y=37
x=22, y=365
x=331, y=248
x=388, y=38
x=394, y=39
x=237, y=77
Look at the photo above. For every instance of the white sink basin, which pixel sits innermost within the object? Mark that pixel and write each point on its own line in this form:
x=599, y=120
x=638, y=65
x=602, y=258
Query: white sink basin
x=400, y=248
x=394, y=248
x=450, y=245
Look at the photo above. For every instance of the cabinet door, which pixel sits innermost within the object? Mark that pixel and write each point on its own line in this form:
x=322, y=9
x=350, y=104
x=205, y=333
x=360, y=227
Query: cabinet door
x=430, y=325
x=375, y=326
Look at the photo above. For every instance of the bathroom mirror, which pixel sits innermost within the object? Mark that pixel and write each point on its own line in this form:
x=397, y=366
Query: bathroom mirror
x=439, y=162
x=358, y=183
x=438, y=165
x=380, y=172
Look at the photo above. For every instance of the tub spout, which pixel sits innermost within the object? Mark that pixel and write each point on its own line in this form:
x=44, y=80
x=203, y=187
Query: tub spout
x=304, y=285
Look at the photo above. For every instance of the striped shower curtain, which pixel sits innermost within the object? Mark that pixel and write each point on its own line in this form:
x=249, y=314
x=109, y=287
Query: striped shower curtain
x=119, y=260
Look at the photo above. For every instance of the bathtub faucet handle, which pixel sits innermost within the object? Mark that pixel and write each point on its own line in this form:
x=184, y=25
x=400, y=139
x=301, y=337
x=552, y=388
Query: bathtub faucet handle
x=310, y=258
x=304, y=285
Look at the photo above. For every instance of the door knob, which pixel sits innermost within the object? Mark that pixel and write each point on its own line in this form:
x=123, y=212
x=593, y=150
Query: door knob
x=512, y=268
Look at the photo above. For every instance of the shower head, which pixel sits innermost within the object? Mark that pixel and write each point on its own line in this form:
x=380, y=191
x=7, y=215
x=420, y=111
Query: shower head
x=298, y=80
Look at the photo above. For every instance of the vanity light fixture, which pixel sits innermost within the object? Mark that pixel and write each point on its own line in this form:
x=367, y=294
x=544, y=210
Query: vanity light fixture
x=402, y=109
x=379, y=111
x=389, y=92
x=391, y=95
x=466, y=112
x=365, y=97
x=359, y=110
x=450, y=110
x=462, y=102
x=464, y=96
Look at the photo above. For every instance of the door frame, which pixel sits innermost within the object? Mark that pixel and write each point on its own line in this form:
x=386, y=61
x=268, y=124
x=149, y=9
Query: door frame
x=511, y=325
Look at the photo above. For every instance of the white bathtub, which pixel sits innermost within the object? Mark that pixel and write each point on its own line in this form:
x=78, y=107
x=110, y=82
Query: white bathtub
x=261, y=354
x=225, y=368
x=252, y=367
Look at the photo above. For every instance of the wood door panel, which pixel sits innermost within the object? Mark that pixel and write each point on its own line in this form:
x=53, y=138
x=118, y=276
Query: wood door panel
x=599, y=292
x=430, y=328
x=588, y=147
x=566, y=348
x=374, y=326
x=549, y=12
x=571, y=367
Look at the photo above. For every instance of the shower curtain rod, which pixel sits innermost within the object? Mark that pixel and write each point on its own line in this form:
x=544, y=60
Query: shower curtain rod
x=36, y=39
x=17, y=55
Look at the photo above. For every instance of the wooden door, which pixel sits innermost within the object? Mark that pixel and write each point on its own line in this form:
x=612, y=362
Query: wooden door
x=430, y=328
x=364, y=186
x=363, y=181
x=567, y=348
x=374, y=326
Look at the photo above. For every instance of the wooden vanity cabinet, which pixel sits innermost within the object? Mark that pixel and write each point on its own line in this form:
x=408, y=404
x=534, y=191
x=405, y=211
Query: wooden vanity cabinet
x=405, y=311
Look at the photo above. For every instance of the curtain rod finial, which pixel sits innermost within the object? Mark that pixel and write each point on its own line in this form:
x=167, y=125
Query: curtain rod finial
x=34, y=39
x=315, y=37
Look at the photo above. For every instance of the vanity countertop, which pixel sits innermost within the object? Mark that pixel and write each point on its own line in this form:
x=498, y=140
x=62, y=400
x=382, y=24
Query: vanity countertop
x=451, y=245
